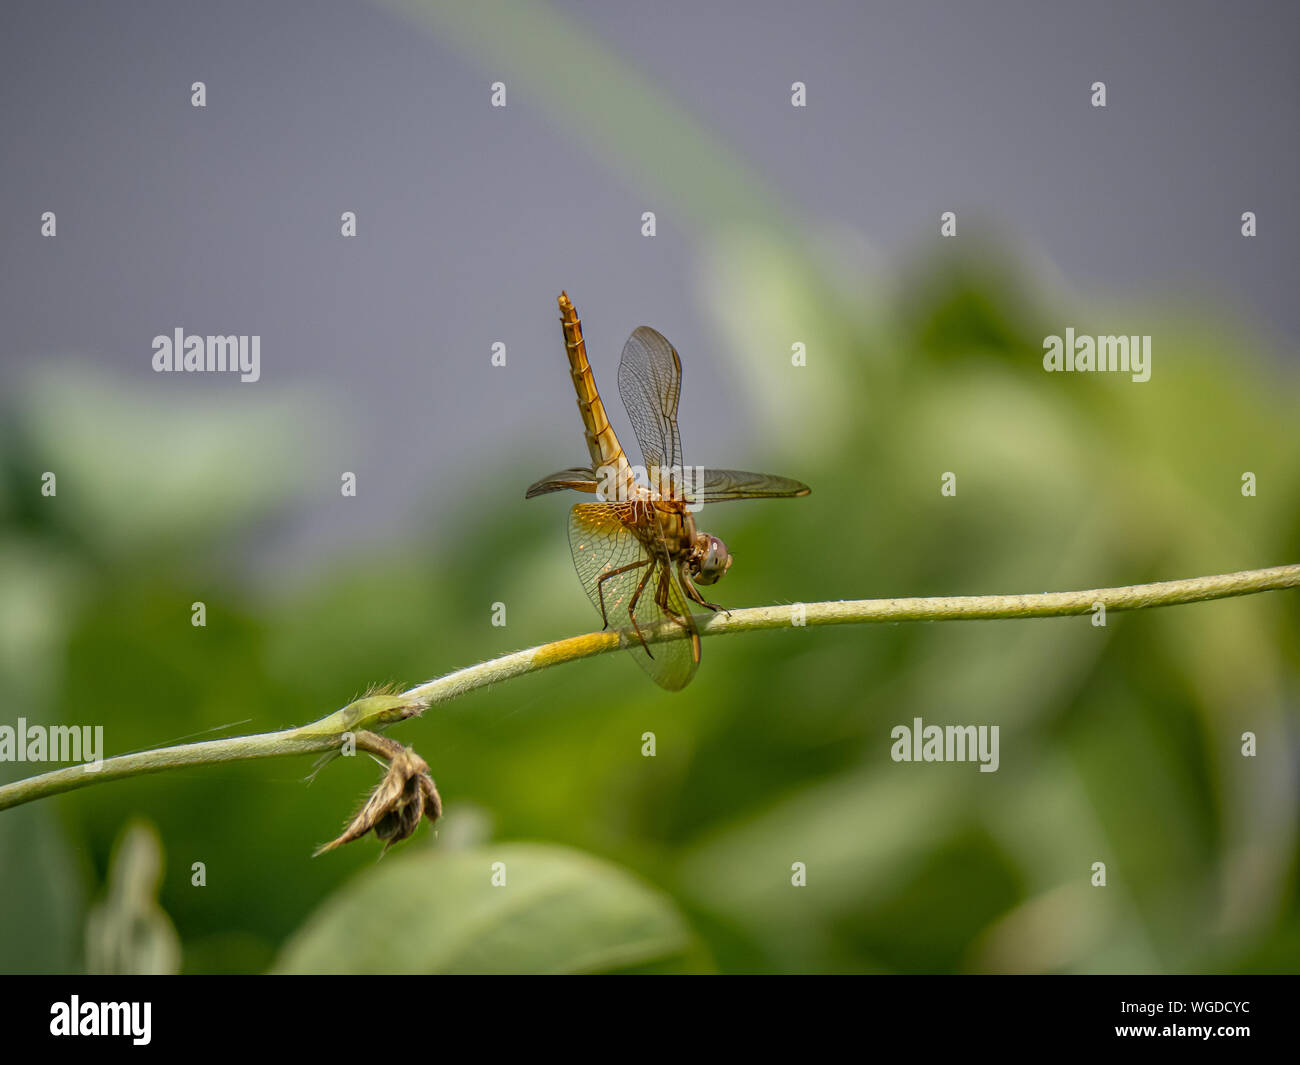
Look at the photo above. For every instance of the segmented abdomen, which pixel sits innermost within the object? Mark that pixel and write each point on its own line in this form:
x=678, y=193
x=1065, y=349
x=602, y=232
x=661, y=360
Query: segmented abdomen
x=602, y=442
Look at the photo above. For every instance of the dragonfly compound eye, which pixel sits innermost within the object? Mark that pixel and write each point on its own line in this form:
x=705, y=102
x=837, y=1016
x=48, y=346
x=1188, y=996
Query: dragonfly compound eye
x=716, y=562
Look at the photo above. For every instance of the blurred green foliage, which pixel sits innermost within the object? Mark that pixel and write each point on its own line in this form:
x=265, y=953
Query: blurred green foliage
x=1119, y=744
x=548, y=910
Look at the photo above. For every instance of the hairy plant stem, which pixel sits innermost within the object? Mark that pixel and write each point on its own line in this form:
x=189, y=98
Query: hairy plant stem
x=380, y=711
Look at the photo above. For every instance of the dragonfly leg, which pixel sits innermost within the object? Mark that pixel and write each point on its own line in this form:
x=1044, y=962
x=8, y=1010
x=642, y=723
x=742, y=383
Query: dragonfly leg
x=694, y=593
x=661, y=597
x=631, y=607
x=600, y=590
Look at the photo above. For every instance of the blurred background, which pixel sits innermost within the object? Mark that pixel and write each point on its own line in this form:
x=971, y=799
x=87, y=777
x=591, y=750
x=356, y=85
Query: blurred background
x=775, y=225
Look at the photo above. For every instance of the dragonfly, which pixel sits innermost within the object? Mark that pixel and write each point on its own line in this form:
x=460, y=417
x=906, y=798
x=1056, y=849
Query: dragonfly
x=637, y=549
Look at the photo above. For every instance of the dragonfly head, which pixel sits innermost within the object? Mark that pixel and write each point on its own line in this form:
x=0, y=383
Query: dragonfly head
x=711, y=559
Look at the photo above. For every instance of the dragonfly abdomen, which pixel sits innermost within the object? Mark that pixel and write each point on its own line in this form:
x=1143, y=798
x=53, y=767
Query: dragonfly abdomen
x=602, y=442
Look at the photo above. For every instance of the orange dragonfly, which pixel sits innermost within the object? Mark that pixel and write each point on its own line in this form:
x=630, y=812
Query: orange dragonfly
x=637, y=551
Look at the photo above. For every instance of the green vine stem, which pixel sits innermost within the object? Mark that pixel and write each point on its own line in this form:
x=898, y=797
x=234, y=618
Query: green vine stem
x=380, y=711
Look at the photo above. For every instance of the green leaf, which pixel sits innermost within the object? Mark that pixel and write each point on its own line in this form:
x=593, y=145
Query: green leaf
x=432, y=911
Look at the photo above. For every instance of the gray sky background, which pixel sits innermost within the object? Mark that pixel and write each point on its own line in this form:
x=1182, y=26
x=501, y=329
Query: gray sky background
x=225, y=220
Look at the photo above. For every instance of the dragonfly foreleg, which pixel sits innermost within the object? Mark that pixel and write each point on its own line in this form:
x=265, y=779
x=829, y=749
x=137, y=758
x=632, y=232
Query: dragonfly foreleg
x=694, y=593
x=600, y=591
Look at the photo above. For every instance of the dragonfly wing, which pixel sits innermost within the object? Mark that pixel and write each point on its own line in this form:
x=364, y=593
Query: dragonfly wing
x=721, y=485
x=650, y=382
x=578, y=478
x=613, y=564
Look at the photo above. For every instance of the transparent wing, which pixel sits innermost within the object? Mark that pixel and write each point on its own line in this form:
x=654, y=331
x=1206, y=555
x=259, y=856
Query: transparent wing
x=721, y=485
x=614, y=563
x=578, y=478
x=650, y=382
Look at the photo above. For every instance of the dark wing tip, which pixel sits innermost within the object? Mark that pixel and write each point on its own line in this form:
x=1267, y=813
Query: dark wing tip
x=795, y=490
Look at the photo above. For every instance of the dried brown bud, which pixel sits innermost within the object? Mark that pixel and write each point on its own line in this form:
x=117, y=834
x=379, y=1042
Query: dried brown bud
x=405, y=795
